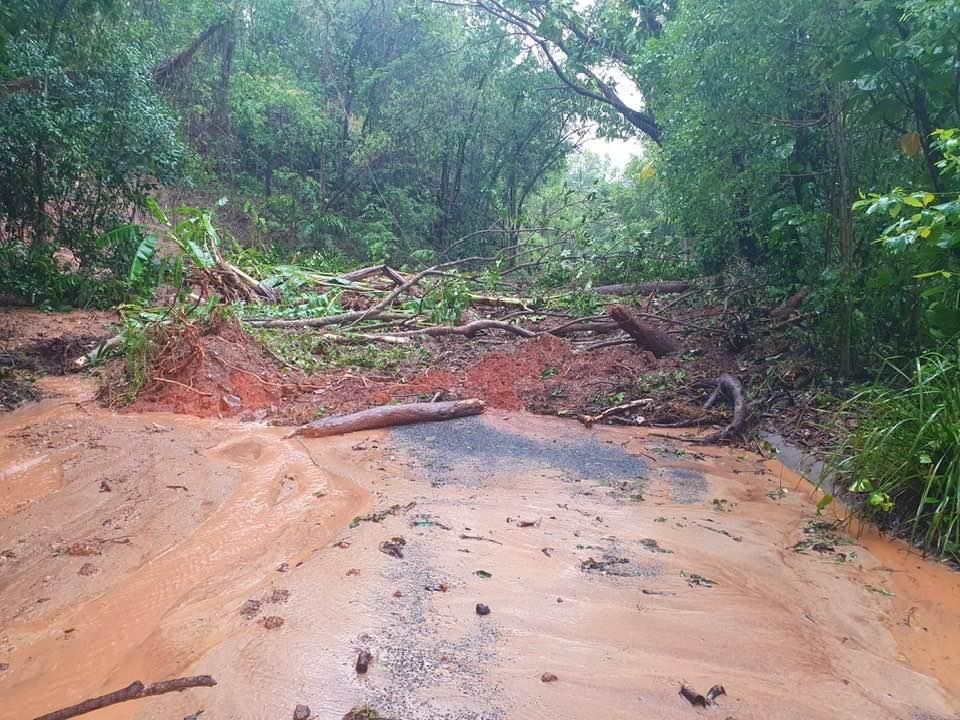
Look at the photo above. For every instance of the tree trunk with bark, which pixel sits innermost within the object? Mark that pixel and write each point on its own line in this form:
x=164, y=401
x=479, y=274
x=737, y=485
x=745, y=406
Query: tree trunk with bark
x=390, y=416
x=644, y=335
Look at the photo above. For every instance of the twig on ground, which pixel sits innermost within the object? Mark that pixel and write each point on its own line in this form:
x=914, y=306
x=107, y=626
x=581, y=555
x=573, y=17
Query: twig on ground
x=133, y=691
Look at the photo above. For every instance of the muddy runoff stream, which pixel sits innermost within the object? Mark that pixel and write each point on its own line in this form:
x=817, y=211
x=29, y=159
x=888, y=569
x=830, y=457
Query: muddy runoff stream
x=153, y=546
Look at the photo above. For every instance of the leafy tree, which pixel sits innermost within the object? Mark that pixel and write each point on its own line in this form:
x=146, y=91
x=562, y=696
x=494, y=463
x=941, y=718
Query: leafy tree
x=84, y=139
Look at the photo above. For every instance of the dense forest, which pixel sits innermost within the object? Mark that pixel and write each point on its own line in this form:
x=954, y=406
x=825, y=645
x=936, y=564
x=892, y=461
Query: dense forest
x=798, y=149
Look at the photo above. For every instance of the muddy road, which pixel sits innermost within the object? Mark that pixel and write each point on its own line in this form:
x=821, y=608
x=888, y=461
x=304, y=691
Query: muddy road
x=150, y=546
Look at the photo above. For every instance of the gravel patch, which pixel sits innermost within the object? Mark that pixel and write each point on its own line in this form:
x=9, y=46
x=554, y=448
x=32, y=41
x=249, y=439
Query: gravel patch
x=417, y=673
x=471, y=451
x=687, y=487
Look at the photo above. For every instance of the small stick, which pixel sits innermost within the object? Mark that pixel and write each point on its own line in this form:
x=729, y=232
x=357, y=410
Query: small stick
x=479, y=537
x=133, y=691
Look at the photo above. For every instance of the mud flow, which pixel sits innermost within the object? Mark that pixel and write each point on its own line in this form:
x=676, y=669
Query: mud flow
x=614, y=567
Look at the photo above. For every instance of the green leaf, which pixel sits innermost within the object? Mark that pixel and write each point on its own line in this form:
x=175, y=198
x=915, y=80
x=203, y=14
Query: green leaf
x=143, y=258
x=153, y=207
x=199, y=255
x=824, y=503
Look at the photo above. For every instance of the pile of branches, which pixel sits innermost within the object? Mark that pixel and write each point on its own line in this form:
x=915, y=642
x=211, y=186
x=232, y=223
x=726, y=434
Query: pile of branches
x=647, y=325
x=387, y=306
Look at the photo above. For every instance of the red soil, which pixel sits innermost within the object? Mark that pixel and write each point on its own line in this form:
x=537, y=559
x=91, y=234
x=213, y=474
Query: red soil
x=223, y=373
x=534, y=375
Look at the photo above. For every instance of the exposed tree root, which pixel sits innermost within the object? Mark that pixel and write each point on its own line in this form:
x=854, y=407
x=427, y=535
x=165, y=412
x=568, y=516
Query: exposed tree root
x=731, y=387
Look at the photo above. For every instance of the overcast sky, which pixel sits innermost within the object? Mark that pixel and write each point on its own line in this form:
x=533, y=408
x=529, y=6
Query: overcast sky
x=618, y=152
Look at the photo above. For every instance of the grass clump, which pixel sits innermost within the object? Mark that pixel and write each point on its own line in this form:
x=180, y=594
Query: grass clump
x=903, y=458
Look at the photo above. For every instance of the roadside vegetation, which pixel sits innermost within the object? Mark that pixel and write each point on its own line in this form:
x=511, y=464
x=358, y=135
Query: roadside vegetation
x=201, y=163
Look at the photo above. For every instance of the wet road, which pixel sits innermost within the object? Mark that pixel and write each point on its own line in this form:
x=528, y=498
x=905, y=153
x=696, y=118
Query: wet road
x=622, y=565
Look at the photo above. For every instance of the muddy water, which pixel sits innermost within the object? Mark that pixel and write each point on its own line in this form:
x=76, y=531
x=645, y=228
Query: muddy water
x=624, y=565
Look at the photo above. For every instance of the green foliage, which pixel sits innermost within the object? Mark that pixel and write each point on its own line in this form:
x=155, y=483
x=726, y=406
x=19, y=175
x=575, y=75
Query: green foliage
x=308, y=305
x=774, y=116
x=924, y=238
x=582, y=303
x=445, y=302
x=904, y=456
x=84, y=137
x=311, y=353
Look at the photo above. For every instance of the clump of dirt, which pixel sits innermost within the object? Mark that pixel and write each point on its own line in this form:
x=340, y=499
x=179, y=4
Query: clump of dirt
x=217, y=371
x=545, y=375
x=15, y=388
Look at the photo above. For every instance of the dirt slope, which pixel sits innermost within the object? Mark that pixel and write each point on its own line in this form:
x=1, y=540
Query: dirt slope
x=646, y=565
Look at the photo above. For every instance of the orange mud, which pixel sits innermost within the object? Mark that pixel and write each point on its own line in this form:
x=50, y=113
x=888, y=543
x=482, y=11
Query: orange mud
x=110, y=572
x=543, y=373
x=220, y=374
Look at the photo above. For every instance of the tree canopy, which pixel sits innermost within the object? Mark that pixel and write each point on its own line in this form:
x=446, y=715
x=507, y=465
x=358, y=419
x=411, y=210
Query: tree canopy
x=411, y=130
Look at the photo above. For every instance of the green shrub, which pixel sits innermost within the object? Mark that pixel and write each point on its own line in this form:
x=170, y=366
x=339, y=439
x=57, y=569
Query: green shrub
x=903, y=457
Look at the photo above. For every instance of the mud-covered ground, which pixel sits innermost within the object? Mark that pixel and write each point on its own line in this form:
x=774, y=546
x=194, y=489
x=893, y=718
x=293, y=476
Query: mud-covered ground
x=224, y=372
x=150, y=546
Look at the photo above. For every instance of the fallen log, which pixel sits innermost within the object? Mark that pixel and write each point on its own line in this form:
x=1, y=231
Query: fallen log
x=390, y=416
x=645, y=336
x=598, y=324
x=133, y=691
x=664, y=287
x=353, y=338
x=469, y=329
x=787, y=307
x=728, y=385
x=501, y=300
x=340, y=319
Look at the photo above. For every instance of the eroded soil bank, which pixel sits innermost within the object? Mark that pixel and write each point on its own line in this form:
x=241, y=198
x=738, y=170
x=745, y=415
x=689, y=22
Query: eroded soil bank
x=152, y=546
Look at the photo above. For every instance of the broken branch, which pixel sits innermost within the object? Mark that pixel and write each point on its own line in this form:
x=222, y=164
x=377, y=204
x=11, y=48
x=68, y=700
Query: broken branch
x=645, y=336
x=589, y=420
x=664, y=287
x=469, y=330
x=133, y=691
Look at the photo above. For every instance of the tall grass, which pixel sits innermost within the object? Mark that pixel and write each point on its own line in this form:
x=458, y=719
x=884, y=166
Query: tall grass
x=904, y=455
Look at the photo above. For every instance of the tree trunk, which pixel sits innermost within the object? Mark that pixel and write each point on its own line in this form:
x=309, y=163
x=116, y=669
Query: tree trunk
x=845, y=236
x=390, y=416
x=663, y=287
x=645, y=336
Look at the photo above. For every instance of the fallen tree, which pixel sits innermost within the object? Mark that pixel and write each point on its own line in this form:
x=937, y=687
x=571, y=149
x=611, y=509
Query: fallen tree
x=469, y=329
x=664, y=287
x=390, y=416
x=644, y=335
x=788, y=306
x=133, y=691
